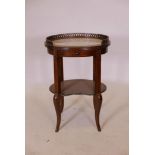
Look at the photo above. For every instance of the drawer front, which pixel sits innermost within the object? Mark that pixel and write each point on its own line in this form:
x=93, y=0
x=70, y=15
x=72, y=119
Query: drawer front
x=77, y=52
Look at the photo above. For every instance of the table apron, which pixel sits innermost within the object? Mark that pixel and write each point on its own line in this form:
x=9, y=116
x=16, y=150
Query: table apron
x=76, y=53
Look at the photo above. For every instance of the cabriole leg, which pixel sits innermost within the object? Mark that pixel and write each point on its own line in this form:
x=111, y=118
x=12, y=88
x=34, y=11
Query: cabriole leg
x=57, y=103
x=97, y=106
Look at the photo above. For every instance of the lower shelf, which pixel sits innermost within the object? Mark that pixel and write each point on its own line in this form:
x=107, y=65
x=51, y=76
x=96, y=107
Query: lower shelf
x=77, y=87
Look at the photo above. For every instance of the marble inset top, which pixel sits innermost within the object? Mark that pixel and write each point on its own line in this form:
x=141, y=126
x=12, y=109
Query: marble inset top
x=77, y=42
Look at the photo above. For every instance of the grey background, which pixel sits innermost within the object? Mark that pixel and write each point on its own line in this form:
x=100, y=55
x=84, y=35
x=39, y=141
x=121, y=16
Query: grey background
x=49, y=17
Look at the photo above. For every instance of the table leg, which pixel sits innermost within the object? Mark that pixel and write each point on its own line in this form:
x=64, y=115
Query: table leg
x=57, y=104
x=61, y=79
x=58, y=98
x=97, y=107
x=97, y=98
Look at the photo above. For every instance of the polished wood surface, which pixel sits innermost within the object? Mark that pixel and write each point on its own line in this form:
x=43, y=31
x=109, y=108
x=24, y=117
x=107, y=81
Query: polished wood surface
x=77, y=87
x=77, y=45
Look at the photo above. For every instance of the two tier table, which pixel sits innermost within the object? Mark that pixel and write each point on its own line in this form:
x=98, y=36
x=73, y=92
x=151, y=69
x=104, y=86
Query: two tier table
x=77, y=45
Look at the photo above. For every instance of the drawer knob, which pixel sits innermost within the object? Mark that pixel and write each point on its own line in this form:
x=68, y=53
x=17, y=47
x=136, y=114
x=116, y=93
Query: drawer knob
x=77, y=53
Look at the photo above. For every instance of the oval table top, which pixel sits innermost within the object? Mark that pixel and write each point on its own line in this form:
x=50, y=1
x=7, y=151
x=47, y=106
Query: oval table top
x=77, y=44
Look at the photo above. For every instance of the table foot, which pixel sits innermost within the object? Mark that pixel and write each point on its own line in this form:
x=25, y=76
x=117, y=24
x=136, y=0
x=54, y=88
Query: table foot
x=58, y=103
x=97, y=100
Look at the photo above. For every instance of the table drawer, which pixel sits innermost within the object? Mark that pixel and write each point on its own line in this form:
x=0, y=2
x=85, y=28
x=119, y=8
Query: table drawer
x=77, y=52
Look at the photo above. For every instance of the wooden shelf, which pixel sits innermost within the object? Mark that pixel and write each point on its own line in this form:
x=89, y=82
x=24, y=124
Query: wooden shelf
x=77, y=87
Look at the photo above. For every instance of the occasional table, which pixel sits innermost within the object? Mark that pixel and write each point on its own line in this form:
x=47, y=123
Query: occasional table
x=77, y=45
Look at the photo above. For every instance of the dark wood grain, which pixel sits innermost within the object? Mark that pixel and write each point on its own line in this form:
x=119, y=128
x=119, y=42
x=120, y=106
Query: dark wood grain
x=78, y=87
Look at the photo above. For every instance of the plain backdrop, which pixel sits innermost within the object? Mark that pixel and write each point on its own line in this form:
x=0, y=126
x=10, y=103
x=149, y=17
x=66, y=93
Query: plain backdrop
x=48, y=17
x=44, y=18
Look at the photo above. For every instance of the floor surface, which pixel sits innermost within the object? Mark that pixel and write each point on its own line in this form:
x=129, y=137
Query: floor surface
x=78, y=134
